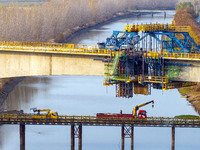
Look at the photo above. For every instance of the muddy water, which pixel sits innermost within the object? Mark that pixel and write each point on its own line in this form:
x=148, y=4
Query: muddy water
x=86, y=95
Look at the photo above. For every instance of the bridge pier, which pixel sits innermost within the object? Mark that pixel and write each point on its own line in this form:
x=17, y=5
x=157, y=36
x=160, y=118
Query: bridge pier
x=127, y=132
x=122, y=137
x=76, y=132
x=165, y=14
x=22, y=136
x=80, y=137
x=72, y=138
x=173, y=137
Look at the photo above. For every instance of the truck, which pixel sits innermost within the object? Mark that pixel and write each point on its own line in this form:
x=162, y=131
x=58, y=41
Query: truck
x=142, y=114
x=44, y=114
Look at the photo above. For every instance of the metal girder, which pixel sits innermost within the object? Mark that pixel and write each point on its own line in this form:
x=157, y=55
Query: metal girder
x=118, y=39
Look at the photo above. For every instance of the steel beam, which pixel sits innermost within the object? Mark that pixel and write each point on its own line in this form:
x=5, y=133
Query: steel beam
x=173, y=137
x=132, y=137
x=76, y=132
x=72, y=138
x=122, y=137
x=22, y=136
x=80, y=137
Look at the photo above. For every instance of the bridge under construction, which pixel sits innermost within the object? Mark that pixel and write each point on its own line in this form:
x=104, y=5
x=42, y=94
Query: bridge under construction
x=162, y=56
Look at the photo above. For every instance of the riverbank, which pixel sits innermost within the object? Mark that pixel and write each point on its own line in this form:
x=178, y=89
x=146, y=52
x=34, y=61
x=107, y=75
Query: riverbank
x=186, y=17
x=192, y=94
x=70, y=33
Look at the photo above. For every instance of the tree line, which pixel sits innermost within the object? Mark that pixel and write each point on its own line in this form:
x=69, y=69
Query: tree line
x=42, y=21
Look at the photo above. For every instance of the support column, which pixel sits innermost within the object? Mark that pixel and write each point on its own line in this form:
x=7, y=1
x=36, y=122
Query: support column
x=122, y=137
x=127, y=132
x=22, y=136
x=76, y=132
x=132, y=137
x=72, y=137
x=173, y=137
x=165, y=15
x=80, y=137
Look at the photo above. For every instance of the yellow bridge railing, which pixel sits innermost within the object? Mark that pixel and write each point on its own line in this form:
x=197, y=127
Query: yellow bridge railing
x=152, y=79
x=54, y=48
x=174, y=55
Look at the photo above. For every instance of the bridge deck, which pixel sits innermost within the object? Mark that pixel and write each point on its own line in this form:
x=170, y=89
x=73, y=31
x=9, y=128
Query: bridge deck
x=81, y=49
x=155, y=11
x=94, y=121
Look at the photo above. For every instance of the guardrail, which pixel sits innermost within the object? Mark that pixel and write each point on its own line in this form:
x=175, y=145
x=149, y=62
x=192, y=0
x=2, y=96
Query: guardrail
x=152, y=79
x=174, y=55
x=54, y=48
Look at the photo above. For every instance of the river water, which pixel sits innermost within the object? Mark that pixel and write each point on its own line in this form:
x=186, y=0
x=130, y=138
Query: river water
x=86, y=95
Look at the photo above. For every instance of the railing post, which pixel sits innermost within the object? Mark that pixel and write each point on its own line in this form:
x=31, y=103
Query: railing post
x=173, y=137
x=22, y=136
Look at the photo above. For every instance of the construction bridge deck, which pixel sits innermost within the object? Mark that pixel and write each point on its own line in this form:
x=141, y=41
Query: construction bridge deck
x=59, y=48
x=82, y=49
x=94, y=121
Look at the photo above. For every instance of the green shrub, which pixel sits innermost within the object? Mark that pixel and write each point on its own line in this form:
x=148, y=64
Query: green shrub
x=187, y=117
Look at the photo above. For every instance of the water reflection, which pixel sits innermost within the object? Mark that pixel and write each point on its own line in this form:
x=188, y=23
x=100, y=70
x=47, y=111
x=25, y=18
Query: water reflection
x=85, y=95
x=24, y=93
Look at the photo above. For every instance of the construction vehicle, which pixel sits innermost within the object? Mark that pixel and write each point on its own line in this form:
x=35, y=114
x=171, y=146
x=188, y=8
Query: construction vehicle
x=142, y=114
x=44, y=113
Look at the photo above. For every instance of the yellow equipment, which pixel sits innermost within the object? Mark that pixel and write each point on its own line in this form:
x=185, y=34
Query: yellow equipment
x=138, y=106
x=48, y=114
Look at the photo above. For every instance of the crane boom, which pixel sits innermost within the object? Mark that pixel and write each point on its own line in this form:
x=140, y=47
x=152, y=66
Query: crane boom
x=138, y=106
x=40, y=110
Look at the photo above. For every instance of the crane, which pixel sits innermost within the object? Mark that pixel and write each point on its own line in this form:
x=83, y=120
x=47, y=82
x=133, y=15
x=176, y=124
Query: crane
x=48, y=114
x=142, y=113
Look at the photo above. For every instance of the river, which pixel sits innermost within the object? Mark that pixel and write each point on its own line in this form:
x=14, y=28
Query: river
x=86, y=95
